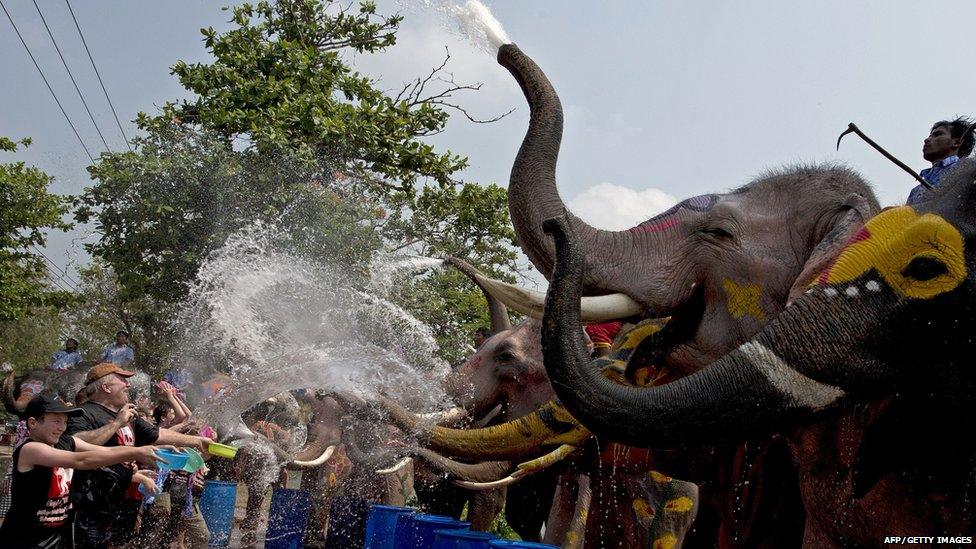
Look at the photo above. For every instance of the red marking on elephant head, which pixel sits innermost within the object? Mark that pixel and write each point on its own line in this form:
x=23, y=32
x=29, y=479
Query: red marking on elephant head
x=859, y=236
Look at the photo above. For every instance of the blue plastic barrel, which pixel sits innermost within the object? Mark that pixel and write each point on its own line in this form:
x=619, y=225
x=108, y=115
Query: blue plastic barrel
x=462, y=539
x=382, y=524
x=512, y=544
x=406, y=529
x=287, y=518
x=347, y=522
x=217, y=508
x=426, y=525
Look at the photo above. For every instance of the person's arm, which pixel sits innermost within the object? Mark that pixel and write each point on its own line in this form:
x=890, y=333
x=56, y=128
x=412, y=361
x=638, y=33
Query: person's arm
x=168, y=436
x=187, y=412
x=102, y=434
x=179, y=409
x=36, y=453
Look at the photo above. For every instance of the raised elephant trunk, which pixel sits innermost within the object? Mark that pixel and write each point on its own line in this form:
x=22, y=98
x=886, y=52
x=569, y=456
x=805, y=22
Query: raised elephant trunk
x=747, y=390
x=616, y=261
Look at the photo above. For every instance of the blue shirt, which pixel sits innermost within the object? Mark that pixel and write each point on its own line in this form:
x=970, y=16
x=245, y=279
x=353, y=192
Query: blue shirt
x=933, y=176
x=123, y=356
x=62, y=360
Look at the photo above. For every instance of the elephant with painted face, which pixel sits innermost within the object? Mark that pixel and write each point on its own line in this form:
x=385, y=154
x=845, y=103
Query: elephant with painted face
x=720, y=266
x=869, y=371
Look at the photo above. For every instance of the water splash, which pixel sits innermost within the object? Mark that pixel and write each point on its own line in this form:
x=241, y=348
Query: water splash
x=387, y=270
x=472, y=20
x=276, y=321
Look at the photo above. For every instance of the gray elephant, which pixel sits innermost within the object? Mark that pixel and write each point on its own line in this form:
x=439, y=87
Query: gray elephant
x=868, y=371
x=721, y=266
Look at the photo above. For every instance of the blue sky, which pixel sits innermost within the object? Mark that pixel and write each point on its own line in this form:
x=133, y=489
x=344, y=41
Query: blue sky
x=663, y=100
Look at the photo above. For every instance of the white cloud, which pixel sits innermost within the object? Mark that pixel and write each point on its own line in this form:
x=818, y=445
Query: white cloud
x=612, y=207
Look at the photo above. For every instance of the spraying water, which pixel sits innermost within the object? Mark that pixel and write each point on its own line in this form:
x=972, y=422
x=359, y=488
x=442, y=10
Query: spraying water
x=474, y=21
x=275, y=321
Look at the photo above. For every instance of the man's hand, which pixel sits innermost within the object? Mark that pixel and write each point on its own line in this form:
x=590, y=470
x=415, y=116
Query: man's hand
x=203, y=446
x=125, y=415
x=148, y=483
x=147, y=455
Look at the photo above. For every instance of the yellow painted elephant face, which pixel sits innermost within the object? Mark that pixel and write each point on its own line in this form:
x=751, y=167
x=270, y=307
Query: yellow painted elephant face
x=918, y=256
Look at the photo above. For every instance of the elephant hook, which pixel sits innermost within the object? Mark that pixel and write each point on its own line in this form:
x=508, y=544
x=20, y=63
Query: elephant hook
x=852, y=128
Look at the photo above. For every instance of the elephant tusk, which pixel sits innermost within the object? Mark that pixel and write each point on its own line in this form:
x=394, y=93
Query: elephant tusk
x=396, y=466
x=317, y=461
x=492, y=414
x=530, y=467
x=451, y=415
x=532, y=303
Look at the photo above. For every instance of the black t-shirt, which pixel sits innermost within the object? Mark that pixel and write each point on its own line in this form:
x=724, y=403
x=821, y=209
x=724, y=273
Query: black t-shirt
x=104, y=487
x=39, y=505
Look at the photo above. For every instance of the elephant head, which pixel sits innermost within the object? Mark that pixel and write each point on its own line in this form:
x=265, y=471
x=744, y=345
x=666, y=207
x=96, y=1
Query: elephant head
x=728, y=261
x=895, y=313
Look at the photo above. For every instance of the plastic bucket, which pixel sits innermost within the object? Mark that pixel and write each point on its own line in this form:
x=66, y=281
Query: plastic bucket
x=217, y=508
x=512, y=544
x=426, y=525
x=287, y=518
x=194, y=461
x=173, y=460
x=222, y=450
x=462, y=539
x=347, y=522
x=382, y=524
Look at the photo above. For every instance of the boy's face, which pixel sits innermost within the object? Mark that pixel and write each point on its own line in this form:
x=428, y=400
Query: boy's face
x=48, y=428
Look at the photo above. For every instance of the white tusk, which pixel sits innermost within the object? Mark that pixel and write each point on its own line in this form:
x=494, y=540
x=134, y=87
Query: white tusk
x=492, y=414
x=500, y=483
x=450, y=415
x=532, y=303
x=317, y=461
x=396, y=466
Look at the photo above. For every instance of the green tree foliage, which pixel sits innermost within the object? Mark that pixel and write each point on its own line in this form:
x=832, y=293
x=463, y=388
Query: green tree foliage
x=282, y=129
x=27, y=210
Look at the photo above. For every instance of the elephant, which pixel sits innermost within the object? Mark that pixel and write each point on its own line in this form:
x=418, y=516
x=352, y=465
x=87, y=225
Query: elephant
x=868, y=371
x=17, y=391
x=720, y=266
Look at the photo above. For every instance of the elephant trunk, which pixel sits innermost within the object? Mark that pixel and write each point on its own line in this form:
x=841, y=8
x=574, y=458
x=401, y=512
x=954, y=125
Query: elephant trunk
x=747, y=390
x=532, y=193
x=486, y=471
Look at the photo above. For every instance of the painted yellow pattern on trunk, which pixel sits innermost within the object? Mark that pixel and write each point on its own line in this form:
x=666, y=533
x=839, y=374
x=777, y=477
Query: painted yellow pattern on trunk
x=667, y=541
x=659, y=477
x=643, y=509
x=679, y=505
x=744, y=300
x=890, y=241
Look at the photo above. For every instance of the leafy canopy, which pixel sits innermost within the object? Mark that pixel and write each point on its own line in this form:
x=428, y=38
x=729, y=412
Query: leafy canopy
x=27, y=210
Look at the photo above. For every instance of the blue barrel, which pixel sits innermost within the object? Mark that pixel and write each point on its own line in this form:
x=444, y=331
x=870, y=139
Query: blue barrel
x=382, y=524
x=462, y=539
x=406, y=529
x=426, y=525
x=217, y=507
x=287, y=518
x=512, y=544
x=347, y=522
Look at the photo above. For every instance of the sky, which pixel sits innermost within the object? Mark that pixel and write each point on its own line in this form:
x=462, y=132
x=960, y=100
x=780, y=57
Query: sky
x=662, y=100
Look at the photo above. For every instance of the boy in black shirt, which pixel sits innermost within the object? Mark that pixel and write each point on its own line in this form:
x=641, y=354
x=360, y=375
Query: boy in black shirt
x=40, y=512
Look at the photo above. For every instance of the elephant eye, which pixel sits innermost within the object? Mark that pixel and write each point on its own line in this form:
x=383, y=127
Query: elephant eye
x=925, y=268
x=505, y=356
x=717, y=232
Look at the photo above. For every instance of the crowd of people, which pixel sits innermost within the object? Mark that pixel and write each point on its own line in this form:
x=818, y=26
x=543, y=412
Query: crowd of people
x=88, y=474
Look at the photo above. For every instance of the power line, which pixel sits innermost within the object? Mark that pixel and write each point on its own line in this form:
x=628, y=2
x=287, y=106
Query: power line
x=92, y=59
x=72, y=77
x=61, y=277
x=48, y=84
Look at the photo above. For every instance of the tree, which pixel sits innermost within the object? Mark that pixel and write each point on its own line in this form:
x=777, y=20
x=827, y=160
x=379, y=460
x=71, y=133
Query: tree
x=27, y=209
x=282, y=129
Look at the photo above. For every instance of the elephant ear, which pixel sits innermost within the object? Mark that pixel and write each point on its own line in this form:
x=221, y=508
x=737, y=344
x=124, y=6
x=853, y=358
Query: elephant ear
x=857, y=209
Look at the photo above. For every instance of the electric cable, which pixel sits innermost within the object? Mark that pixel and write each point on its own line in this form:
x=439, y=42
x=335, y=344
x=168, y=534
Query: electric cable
x=48, y=84
x=71, y=76
x=92, y=59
